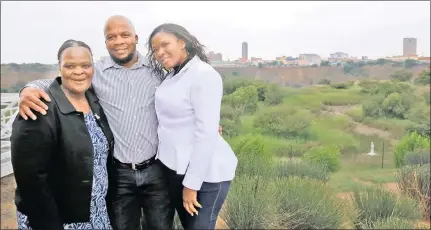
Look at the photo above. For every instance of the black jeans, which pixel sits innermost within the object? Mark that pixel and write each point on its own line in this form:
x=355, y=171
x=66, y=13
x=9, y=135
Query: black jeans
x=211, y=196
x=141, y=191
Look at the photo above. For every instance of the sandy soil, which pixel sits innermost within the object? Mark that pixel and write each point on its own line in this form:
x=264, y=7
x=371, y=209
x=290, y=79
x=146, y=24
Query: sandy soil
x=8, y=211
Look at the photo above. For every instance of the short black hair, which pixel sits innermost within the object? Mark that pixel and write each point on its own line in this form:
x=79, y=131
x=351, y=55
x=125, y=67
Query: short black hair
x=71, y=43
x=193, y=46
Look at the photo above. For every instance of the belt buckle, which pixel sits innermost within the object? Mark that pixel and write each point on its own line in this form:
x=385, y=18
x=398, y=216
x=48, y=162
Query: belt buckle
x=133, y=166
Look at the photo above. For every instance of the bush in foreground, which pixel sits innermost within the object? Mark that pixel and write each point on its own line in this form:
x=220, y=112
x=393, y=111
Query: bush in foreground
x=419, y=157
x=414, y=181
x=376, y=204
x=249, y=204
x=306, y=204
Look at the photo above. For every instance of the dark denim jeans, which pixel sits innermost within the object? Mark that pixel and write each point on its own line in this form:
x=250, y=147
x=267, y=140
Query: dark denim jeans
x=211, y=196
x=138, y=192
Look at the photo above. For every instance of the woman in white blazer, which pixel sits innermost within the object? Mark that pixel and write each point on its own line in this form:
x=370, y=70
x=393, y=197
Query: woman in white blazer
x=199, y=163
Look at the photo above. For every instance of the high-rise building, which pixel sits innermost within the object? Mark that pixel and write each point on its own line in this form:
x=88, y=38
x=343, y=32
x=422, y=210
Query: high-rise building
x=409, y=47
x=244, y=51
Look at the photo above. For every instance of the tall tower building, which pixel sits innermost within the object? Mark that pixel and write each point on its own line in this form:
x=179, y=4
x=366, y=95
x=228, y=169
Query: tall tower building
x=409, y=47
x=245, y=51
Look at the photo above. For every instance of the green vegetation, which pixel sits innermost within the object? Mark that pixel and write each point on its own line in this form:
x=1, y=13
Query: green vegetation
x=409, y=143
x=424, y=78
x=299, y=150
x=377, y=204
x=414, y=181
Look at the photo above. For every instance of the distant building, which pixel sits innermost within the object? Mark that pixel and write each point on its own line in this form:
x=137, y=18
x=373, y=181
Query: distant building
x=214, y=57
x=256, y=61
x=364, y=58
x=409, y=47
x=338, y=55
x=290, y=61
x=244, y=51
x=309, y=59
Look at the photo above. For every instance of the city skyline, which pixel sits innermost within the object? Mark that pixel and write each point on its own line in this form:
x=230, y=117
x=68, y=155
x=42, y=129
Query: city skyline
x=373, y=29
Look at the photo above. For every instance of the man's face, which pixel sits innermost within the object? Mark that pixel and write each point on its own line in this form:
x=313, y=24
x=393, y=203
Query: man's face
x=120, y=40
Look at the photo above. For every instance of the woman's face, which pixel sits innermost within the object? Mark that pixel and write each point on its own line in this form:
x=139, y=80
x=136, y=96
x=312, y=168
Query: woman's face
x=76, y=67
x=168, y=49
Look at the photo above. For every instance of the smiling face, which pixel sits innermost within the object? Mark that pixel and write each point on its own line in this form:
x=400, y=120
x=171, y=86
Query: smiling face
x=168, y=49
x=76, y=67
x=120, y=40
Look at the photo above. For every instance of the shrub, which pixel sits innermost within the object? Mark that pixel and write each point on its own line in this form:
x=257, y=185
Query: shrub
x=421, y=129
x=393, y=223
x=249, y=204
x=356, y=113
x=327, y=156
x=386, y=88
x=306, y=204
x=424, y=78
x=291, y=149
x=376, y=204
x=401, y=75
x=414, y=181
x=231, y=128
x=340, y=85
x=230, y=120
x=302, y=170
x=372, y=107
x=274, y=95
x=229, y=112
x=244, y=98
x=324, y=82
x=409, y=143
x=420, y=114
x=254, y=157
x=427, y=97
x=397, y=105
x=283, y=122
x=368, y=85
x=418, y=157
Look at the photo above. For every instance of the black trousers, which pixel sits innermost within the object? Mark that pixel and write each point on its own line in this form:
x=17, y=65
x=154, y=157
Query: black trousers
x=138, y=192
x=211, y=196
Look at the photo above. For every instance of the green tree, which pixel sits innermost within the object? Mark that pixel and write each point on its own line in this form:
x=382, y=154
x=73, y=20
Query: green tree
x=274, y=95
x=397, y=105
x=283, y=121
x=409, y=63
x=401, y=75
x=231, y=85
x=245, y=99
x=424, y=78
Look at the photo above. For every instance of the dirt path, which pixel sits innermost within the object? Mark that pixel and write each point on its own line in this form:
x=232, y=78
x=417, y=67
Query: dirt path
x=360, y=128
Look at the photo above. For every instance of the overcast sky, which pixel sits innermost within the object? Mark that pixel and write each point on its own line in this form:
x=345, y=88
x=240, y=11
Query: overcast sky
x=33, y=31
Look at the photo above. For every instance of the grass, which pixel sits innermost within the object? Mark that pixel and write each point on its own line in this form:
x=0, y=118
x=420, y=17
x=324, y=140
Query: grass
x=353, y=177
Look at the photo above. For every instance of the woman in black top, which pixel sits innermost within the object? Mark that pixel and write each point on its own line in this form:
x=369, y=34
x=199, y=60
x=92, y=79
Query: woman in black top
x=61, y=160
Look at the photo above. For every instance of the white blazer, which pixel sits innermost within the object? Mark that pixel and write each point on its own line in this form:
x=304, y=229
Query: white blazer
x=188, y=108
